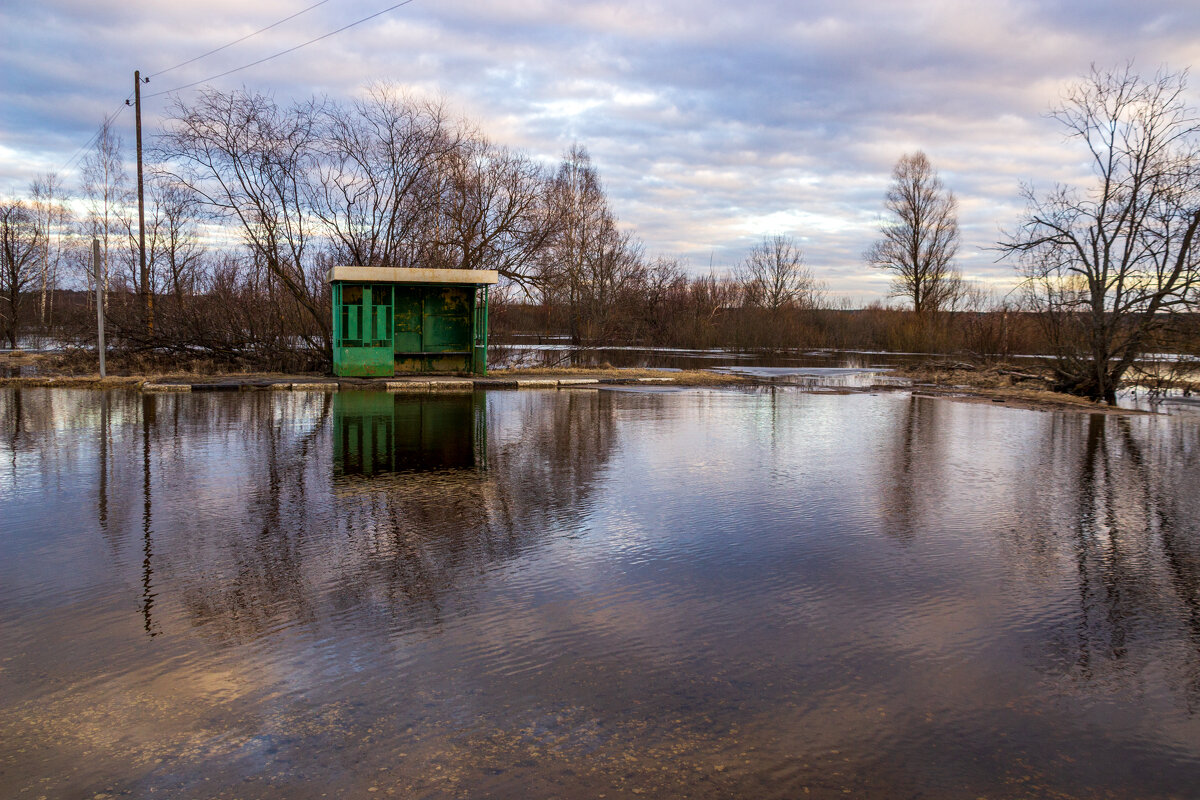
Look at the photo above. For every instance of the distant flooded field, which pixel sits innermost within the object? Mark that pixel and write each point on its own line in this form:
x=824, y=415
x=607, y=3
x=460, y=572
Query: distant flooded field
x=684, y=593
x=532, y=351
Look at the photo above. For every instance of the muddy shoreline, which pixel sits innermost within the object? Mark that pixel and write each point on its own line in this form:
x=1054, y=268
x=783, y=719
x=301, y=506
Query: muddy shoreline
x=997, y=385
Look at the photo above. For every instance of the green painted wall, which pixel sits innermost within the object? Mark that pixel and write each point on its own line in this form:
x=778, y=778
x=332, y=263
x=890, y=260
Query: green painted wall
x=382, y=328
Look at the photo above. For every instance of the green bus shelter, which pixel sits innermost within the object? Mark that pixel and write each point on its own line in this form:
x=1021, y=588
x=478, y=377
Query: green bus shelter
x=389, y=320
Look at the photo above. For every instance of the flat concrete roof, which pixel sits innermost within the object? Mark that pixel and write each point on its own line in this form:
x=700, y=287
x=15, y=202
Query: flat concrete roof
x=476, y=277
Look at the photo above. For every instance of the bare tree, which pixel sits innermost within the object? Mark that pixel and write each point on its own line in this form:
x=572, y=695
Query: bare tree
x=383, y=182
x=708, y=298
x=378, y=167
x=496, y=214
x=1105, y=264
x=174, y=252
x=588, y=258
x=774, y=276
x=48, y=202
x=920, y=238
x=251, y=163
x=20, y=249
x=106, y=188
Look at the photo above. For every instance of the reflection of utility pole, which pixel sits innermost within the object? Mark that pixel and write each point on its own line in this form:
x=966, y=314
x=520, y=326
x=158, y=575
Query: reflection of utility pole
x=103, y=499
x=16, y=429
x=99, y=302
x=147, y=593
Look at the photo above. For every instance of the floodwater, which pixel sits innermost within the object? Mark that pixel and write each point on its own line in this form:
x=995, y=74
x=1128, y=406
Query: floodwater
x=530, y=351
x=697, y=593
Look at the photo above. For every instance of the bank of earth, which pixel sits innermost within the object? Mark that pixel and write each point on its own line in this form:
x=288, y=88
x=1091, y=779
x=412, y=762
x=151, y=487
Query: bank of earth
x=964, y=384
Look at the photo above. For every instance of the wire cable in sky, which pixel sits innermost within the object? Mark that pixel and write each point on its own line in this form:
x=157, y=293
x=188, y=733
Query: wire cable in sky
x=281, y=52
x=236, y=41
x=108, y=120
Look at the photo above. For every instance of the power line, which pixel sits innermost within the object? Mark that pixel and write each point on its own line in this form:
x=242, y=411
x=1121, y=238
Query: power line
x=281, y=52
x=111, y=118
x=108, y=120
x=236, y=41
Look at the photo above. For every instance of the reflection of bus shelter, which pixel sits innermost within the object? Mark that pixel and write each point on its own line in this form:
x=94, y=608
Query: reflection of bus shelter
x=378, y=433
x=409, y=320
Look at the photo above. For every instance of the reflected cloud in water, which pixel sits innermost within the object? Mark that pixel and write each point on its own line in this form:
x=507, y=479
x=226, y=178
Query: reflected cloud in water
x=703, y=593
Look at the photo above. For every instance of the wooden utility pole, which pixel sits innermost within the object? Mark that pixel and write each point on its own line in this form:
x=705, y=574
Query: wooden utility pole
x=99, y=303
x=143, y=277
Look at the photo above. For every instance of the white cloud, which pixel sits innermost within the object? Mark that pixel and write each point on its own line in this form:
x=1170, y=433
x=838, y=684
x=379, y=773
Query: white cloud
x=712, y=123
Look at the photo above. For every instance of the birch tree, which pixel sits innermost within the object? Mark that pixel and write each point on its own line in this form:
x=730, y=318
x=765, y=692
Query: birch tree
x=106, y=187
x=588, y=260
x=48, y=202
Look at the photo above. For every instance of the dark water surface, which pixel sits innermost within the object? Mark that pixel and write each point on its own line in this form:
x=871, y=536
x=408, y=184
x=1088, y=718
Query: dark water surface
x=594, y=593
x=529, y=351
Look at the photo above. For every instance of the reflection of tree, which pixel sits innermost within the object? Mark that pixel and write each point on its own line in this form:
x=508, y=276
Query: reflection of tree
x=913, y=482
x=11, y=418
x=40, y=438
x=1174, y=516
x=422, y=536
x=257, y=558
x=1136, y=548
x=1105, y=499
x=1104, y=580
x=410, y=539
x=102, y=483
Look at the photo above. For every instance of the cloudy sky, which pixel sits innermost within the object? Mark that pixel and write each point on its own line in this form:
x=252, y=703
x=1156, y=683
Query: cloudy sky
x=712, y=123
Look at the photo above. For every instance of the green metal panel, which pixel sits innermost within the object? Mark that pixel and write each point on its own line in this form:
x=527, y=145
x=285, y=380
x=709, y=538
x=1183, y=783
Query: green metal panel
x=408, y=319
x=446, y=323
x=362, y=331
x=380, y=327
x=351, y=314
x=335, y=292
x=479, y=336
x=364, y=362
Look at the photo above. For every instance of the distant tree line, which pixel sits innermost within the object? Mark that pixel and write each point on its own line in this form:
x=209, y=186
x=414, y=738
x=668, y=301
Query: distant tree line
x=250, y=202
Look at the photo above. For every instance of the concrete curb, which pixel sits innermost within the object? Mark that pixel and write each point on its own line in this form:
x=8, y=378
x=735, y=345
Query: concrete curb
x=216, y=387
x=452, y=386
x=399, y=386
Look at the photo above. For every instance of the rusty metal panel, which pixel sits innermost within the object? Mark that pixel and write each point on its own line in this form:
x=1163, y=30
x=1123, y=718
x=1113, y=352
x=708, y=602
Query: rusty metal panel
x=408, y=319
x=433, y=362
x=447, y=319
